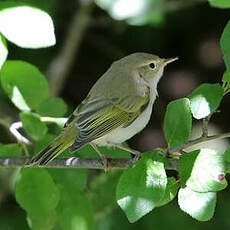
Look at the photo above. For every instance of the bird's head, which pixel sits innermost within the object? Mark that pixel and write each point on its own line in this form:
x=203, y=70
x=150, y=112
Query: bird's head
x=149, y=67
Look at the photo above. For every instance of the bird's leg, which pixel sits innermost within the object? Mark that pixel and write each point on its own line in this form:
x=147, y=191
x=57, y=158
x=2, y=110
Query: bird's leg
x=102, y=156
x=134, y=153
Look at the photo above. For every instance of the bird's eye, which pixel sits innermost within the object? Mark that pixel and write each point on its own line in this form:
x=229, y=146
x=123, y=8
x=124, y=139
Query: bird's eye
x=152, y=65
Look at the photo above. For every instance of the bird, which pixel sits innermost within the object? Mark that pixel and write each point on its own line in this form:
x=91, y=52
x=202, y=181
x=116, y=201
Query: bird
x=118, y=106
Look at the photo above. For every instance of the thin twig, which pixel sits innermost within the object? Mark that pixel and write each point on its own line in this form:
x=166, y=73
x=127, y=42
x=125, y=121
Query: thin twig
x=5, y=123
x=205, y=124
x=14, y=127
x=198, y=141
x=61, y=65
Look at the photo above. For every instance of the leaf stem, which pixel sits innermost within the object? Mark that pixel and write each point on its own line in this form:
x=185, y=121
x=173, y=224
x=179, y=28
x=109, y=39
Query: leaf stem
x=14, y=127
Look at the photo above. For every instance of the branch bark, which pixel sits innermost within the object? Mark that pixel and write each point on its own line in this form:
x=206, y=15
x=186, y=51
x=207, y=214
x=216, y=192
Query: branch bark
x=75, y=162
x=197, y=141
x=96, y=163
x=72, y=162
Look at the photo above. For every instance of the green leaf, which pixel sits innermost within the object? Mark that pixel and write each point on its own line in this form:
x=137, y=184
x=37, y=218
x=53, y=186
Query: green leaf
x=203, y=170
x=226, y=76
x=102, y=191
x=18, y=100
x=114, y=8
x=178, y=122
x=46, y=222
x=53, y=107
x=220, y=3
x=140, y=12
x=140, y=188
x=200, y=206
x=37, y=194
x=227, y=155
x=3, y=50
x=157, y=154
x=29, y=81
x=36, y=26
x=205, y=99
x=33, y=125
x=71, y=179
x=60, y=121
x=43, y=142
x=74, y=211
x=88, y=151
x=225, y=44
x=170, y=191
x=10, y=150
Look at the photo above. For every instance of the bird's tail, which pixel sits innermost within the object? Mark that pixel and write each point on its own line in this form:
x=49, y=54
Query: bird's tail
x=57, y=146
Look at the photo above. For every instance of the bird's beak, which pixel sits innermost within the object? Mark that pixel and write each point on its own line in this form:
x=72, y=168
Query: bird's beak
x=169, y=60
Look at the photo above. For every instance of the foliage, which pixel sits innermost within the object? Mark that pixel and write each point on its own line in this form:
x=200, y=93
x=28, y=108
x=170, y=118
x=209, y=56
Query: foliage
x=58, y=198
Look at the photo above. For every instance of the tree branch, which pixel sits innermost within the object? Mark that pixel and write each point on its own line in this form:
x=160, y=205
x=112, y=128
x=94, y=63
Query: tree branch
x=75, y=162
x=197, y=141
x=96, y=163
x=60, y=66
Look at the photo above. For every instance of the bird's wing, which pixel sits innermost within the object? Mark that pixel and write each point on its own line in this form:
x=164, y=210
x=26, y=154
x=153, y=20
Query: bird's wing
x=97, y=116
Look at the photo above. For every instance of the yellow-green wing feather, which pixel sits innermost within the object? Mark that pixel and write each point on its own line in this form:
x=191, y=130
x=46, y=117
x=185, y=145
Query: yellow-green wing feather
x=97, y=116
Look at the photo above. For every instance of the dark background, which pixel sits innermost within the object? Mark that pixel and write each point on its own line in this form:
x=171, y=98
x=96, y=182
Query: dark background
x=190, y=30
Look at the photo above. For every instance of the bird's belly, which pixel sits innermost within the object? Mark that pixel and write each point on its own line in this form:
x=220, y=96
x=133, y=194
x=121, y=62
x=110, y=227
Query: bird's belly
x=120, y=134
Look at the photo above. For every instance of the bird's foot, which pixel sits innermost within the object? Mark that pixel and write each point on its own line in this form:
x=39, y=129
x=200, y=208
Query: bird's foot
x=135, y=157
x=102, y=156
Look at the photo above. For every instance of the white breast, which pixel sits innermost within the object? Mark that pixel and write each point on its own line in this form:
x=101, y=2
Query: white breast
x=120, y=135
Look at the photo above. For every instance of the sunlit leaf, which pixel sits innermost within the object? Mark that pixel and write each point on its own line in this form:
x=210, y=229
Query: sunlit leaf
x=30, y=82
x=137, y=12
x=3, y=50
x=26, y=26
x=205, y=99
x=220, y=3
x=140, y=188
x=170, y=191
x=203, y=170
x=178, y=122
x=200, y=206
x=33, y=125
x=60, y=121
x=18, y=100
x=155, y=156
x=156, y=18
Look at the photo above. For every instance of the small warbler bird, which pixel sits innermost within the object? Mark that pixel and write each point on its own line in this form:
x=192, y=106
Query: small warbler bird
x=117, y=107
